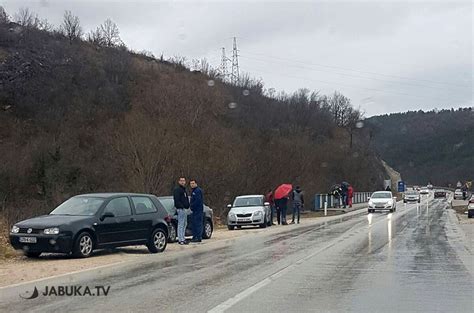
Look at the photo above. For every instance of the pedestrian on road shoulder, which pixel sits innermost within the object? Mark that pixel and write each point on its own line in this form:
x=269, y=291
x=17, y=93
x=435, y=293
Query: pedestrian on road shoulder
x=197, y=207
x=298, y=202
x=350, y=194
x=283, y=203
x=181, y=203
x=270, y=199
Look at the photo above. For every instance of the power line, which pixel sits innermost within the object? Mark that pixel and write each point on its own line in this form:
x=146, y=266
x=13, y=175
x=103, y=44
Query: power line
x=355, y=87
x=342, y=74
x=358, y=71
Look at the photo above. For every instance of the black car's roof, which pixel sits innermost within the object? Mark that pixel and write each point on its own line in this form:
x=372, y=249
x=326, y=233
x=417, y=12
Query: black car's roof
x=112, y=194
x=165, y=197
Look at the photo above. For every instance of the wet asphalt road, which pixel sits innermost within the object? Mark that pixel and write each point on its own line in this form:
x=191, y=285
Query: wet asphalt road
x=414, y=260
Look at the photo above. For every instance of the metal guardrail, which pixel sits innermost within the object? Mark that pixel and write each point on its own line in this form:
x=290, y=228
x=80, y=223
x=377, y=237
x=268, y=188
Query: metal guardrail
x=320, y=199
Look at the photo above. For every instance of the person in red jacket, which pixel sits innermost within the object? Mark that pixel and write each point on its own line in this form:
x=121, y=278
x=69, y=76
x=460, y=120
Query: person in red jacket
x=350, y=194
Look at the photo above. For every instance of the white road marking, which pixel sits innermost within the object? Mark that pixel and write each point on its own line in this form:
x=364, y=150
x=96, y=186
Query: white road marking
x=250, y=290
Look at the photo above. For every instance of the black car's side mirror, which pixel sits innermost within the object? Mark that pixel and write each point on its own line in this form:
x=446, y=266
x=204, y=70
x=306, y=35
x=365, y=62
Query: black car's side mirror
x=106, y=214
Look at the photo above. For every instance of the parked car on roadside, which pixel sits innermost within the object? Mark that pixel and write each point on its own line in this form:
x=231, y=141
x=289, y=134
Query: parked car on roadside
x=208, y=226
x=93, y=221
x=458, y=194
x=249, y=210
x=411, y=196
x=382, y=201
x=470, y=207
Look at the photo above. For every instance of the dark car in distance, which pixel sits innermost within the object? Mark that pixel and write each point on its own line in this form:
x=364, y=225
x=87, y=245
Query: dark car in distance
x=440, y=194
x=87, y=222
x=208, y=226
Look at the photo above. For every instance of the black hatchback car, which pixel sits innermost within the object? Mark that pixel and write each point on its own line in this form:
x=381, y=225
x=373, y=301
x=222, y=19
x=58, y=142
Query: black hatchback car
x=93, y=221
x=208, y=225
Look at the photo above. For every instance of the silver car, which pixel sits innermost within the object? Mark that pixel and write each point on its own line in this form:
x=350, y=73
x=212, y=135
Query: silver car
x=382, y=201
x=249, y=210
x=411, y=196
x=458, y=194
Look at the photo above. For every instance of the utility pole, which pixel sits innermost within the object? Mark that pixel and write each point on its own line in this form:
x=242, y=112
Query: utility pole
x=235, y=64
x=223, y=68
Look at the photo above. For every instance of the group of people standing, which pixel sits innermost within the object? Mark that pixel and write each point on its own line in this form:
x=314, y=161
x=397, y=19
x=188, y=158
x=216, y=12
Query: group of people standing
x=279, y=207
x=183, y=202
x=343, y=193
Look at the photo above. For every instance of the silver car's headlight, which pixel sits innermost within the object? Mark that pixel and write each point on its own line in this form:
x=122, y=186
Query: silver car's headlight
x=371, y=204
x=258, y=213
x=389, y=203
x=15, y=229
x=231, y=216
x=51, y=231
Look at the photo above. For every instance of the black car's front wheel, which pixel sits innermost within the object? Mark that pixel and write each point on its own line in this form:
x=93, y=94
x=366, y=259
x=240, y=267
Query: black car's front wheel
x=207, y=230
x=83, y=246
x=158, y=241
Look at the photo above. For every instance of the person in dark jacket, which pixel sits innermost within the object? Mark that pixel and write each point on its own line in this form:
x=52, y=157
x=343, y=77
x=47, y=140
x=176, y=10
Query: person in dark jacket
x=298, y=202
x=282, y=205
x=269, y=198
x=181, y=203
x=197, y=207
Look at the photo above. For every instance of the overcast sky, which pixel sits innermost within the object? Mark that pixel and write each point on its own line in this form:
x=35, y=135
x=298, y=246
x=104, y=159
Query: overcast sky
x=385, y=56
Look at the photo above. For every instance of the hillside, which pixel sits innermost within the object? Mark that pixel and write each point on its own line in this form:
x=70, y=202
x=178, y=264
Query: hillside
x=436, y=146
x=77, y=117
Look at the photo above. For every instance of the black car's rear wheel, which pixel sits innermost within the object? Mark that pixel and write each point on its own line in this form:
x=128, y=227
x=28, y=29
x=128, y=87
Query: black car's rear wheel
x=173, y=233
x=207, y=230
x=158, y=241
x=83, y=246
x=32, y=254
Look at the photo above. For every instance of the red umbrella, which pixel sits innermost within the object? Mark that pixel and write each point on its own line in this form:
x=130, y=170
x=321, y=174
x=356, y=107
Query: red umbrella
x=283, y=191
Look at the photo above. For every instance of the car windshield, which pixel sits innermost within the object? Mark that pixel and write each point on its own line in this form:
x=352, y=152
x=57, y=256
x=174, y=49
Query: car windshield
x=248, y=201
x=381, y=195
x=82, y=206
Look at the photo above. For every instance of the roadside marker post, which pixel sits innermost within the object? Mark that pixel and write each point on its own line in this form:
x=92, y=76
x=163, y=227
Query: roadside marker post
x=325, y=208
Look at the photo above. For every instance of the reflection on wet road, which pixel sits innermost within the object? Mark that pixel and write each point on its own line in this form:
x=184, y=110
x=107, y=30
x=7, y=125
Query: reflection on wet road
x=400, y=262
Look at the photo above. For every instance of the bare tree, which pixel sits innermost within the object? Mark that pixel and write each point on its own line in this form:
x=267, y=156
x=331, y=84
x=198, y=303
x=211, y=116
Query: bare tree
x=26, y=18
x=4, y=18
x=71, y=26
x=95, y=37
x=43, y=24
x=110, y=34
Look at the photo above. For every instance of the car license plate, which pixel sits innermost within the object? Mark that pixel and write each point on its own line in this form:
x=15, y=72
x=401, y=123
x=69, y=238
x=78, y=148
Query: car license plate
x=244, y=219
x=28, y=239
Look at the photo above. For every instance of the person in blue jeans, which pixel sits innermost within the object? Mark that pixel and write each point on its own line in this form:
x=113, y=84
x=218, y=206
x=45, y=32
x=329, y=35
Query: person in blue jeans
x=181, y=203
x=298, y=202
x=197, y=207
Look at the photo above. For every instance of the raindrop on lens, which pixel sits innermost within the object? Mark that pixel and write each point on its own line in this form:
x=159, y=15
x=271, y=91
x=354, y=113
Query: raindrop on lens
x=246, y=92
x=232, y=105
x=360, y=124
x=210, y=83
